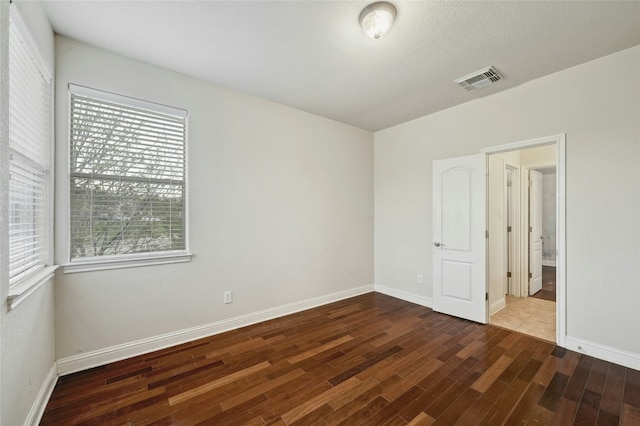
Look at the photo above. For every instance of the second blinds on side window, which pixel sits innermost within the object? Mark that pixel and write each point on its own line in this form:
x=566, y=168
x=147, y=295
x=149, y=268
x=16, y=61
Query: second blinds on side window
x=30, y=156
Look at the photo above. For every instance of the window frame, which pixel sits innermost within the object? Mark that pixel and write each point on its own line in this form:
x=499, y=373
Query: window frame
x=108, y=262
x=34, y=278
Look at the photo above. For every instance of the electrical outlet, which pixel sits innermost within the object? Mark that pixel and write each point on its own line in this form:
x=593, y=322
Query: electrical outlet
x=420, y=279
x=228, y=297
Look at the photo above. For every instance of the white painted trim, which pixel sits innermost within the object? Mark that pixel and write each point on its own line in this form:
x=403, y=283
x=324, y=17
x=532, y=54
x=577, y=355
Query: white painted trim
x=606, y=353
x=25, y=288
x=561, y=241
x=118, y=262
x=530, y=143
x=548, y=263
x=497, y=306
x=515, y=204
x=37, y=409
x=405, y=295
x=103, y=356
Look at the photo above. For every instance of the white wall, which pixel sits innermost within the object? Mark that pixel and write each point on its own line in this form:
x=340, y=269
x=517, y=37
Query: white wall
x=281, y=210
x=27, y=335
x=603, y=170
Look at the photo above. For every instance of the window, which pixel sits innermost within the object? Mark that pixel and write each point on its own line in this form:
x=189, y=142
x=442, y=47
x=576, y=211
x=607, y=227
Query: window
x=127, y=178
x=30, y=160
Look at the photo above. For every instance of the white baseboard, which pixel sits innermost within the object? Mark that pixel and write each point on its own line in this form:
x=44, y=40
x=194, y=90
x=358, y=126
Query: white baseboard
x=405, y=295
x=596, y=350
x=103, y=356
x=549, y=263
x=497, y=305
x=37, y=409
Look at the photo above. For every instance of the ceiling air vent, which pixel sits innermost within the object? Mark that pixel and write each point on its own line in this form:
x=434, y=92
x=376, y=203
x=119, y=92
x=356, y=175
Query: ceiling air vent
x=479, y=79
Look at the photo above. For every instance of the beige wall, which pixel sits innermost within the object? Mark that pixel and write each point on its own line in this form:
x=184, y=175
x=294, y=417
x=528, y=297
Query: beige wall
x=536, y=156
x=600, y=117
x=281, y=210
x=27, y=337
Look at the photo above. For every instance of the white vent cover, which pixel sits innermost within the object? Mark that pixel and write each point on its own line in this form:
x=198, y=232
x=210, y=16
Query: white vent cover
x=479, y=79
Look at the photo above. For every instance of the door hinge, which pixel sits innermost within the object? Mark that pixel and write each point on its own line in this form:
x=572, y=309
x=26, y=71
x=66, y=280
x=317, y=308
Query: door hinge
x=509, y=183
x=508, y=274
x=486, y=296
x=530, y=276
x=530, y=184
x=486, y=234
x=530, y=229
x=508, y=229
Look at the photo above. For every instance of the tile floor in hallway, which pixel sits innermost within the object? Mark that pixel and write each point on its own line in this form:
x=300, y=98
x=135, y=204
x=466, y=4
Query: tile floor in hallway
x=535, y=317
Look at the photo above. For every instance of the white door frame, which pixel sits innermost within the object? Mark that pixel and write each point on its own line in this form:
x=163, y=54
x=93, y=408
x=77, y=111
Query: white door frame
x=561, y=226
x=514, y=290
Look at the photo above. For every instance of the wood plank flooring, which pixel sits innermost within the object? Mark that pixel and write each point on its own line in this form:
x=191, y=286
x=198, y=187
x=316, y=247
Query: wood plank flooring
x=371, y=360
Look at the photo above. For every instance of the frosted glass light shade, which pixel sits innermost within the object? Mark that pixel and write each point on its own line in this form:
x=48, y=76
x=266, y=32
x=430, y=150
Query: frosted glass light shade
x=376, y=19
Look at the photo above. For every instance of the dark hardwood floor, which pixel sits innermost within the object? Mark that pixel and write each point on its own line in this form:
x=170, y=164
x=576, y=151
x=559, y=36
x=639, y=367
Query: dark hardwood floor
x=370, y=360
x=548, y=291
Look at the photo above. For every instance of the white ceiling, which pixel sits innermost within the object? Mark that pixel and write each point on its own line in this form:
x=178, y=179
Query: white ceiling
x=312, y=55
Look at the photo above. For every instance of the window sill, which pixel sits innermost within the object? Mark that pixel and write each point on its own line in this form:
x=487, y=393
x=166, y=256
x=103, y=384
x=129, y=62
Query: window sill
x=94, y=264
x=26, y=287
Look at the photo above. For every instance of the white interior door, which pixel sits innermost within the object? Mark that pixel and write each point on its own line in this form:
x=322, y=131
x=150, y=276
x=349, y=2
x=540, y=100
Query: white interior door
x=459, y=245
x=535, y=232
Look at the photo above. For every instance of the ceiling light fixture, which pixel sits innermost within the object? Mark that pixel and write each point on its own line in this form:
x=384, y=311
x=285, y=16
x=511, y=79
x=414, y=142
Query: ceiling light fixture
x=376, y=19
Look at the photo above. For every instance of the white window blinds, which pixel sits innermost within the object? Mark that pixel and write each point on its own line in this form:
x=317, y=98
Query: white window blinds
x=30, y=157
x=127, y=176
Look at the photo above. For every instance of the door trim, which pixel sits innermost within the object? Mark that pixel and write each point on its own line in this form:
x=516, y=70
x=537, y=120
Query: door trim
x=514, y=290
x=561, y=226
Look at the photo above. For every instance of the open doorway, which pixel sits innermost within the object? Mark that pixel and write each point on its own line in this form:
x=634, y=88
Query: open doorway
x=469, y=249
x=521, y=213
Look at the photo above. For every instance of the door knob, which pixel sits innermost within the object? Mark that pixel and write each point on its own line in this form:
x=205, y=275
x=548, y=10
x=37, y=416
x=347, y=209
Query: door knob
x=437, y=244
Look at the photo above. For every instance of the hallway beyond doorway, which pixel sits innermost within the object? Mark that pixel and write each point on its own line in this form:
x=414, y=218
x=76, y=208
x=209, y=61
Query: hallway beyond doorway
x=528, y=315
